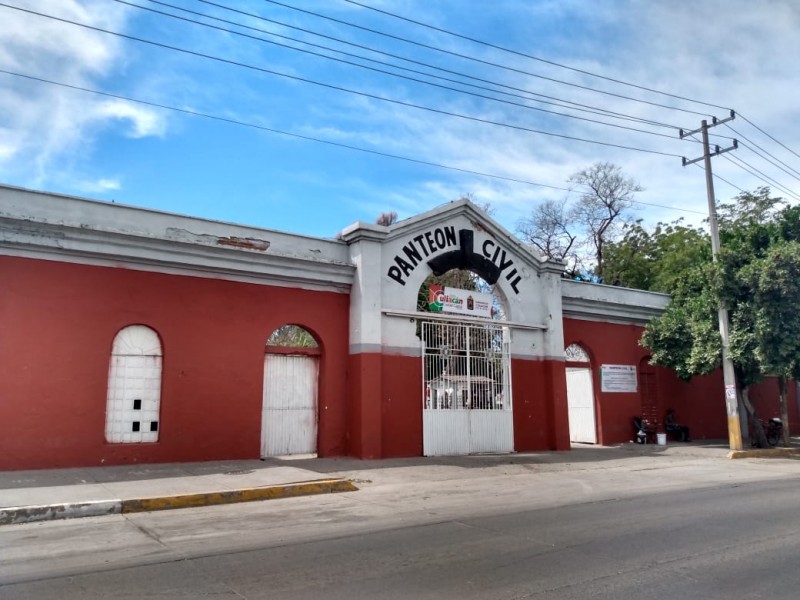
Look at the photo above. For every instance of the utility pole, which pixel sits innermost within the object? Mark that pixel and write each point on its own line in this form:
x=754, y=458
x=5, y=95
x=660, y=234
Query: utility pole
x=729, y=376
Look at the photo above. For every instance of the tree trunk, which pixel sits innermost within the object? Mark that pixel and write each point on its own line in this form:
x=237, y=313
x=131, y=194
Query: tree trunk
x=784, y=409
x=758, y=437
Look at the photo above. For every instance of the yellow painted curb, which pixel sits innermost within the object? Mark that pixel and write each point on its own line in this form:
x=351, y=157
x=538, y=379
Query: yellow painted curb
x=765, y=453
x=305, y=488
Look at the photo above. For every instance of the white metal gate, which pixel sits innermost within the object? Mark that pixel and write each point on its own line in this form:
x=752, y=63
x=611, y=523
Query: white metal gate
x=289, y=416
x=580, y=400
x=466, y=406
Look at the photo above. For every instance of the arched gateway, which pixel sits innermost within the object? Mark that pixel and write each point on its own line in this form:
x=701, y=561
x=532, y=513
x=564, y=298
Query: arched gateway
x=455, y=382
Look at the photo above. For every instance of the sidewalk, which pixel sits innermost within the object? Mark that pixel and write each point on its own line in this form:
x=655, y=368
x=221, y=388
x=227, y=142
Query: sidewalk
x=28, y=496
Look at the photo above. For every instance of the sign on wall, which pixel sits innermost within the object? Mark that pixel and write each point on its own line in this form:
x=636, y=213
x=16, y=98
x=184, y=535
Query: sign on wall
x=462, y=302
x=618, y=378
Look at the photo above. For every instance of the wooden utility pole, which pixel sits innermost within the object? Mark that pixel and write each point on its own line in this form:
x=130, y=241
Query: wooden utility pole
x=729, y=376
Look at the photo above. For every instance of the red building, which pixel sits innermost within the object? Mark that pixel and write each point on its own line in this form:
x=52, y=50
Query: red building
x=130, y=335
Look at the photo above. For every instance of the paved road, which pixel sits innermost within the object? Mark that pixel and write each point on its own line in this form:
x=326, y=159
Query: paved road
x=648, y=528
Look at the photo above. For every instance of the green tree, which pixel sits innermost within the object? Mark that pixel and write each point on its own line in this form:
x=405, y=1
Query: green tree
x=655, y=259
x=775, y=280
x=753, y=279
x=292, y=336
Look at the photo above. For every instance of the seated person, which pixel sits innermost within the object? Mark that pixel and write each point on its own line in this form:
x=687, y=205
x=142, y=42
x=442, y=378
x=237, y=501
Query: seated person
x=670, y=424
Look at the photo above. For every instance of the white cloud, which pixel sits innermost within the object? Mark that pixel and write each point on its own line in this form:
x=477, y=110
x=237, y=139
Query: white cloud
x=144, y=122
x=97, y=186
x=49, y=129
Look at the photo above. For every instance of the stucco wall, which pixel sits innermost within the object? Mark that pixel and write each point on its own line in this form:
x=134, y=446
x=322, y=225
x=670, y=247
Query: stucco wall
x=59, y=321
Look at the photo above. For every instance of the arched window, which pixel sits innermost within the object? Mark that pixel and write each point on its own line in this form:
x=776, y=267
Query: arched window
x=134, y=386
x=576, y=353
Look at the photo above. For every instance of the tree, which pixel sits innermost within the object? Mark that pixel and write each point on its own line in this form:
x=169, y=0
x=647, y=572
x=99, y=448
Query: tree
x=757, y=278
x=553, y=232
x=654, y=260
x=386, y=218
x=776, y=283
x=292, y=336
x=601, y=207
x=578, y=234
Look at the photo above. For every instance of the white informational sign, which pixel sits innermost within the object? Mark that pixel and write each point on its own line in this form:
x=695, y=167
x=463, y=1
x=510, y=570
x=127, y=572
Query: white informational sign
x=463, y=302
x=618, y=378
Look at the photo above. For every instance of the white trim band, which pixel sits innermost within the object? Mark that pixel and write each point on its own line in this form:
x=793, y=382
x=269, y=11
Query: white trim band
x=412, y=314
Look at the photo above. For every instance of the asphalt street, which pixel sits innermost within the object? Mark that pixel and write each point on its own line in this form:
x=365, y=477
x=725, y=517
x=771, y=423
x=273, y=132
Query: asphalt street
x=646, y=527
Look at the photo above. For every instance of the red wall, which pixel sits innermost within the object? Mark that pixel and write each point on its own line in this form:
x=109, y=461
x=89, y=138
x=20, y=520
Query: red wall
x=540, y=405
x=700, y=403
x=539, y=396
x=764, y=396
x=58, y=323
x=617, y=344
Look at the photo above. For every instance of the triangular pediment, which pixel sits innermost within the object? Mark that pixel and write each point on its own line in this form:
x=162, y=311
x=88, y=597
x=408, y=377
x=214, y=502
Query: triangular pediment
x=445, y=238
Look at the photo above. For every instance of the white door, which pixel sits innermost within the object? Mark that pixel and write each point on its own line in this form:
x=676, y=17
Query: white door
x=289, y=417
x=580, y=400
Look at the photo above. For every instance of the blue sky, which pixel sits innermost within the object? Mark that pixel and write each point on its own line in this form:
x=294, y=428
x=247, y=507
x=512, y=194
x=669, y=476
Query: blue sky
x=729, y=53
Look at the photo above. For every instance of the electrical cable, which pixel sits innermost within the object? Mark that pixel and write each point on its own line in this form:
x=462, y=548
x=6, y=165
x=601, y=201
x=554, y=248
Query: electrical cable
x=231, y=121
x=756, y=173
x=376, y=70
x=768, y=135
x=741, y=136
x=536, y=58
x=343, y=89
x=485, y=62
x=560, y=102
x=308, y=138
x=715, y=176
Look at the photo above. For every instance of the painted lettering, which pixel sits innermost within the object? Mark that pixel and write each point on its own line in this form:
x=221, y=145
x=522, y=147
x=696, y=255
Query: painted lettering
x=394, y=273
x=438, y=235
x=503, y=264
x=418, y=239
x=429, y=239
x=404, y=266
x=412, y=254
x=424, y=245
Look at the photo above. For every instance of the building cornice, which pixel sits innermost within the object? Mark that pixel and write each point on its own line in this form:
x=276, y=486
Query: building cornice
x=245, y=259
x=597, y=302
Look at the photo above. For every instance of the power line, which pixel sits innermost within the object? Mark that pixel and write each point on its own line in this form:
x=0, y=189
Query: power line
x=715, y=176
x=230, y=121
x=769, y=136
x=536, y=58
x=376, y=70
x=752, y=171
x=762, y=149
x=765, y=178
x=481, y=61
x=530, y=95
x=343, y=89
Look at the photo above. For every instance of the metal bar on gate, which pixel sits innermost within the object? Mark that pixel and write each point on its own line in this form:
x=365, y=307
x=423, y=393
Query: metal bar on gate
x=423, y=316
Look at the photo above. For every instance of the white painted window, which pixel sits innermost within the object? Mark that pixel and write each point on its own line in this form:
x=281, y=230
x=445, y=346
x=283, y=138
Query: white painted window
x=134, y=386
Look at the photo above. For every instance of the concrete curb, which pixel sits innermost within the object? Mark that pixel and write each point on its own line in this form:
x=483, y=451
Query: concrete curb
x=49, y=512
x=765, y=453
x=305, y=488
